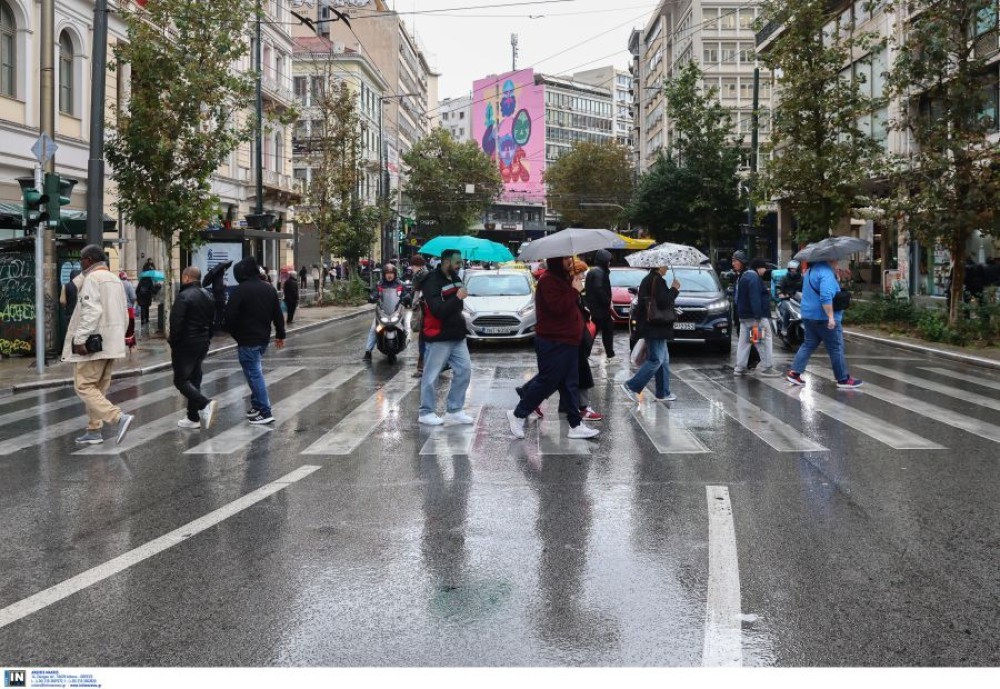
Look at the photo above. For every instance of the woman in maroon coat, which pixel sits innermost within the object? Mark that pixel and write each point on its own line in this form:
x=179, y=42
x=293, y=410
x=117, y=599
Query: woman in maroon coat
x=558, y=331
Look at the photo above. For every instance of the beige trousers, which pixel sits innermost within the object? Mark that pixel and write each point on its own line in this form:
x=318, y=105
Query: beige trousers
x=91, y=380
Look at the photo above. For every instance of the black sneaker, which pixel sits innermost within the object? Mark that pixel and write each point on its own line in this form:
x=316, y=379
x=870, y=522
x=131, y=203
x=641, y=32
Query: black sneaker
x=367, y=356
x=252, y=412
x=261, y=420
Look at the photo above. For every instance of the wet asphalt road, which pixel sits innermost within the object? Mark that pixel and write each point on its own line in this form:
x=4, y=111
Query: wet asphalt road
x=865, y=522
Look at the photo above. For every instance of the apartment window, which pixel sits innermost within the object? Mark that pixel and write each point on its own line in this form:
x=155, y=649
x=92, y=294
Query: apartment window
x=8, y=52
x=727, y=20
x=65, y=74
x=317, y=128
x=727, y=52
x=461, y=115
x=986, y=20
x=301, y=129
x=301, y=85
x=747, y=53
x=746, y=90
x=728, y=89
x=746, y=19
x=316, y=89
x=710, y=20
x=461, y=131
x=988, y=115
x=861, y=14
x=711, y=53
x=301, y=173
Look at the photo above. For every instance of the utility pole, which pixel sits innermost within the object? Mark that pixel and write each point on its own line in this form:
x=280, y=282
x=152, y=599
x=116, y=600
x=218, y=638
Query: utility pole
x=46, y=320
x=95, y=166
x=259, y=143
x=754, y=140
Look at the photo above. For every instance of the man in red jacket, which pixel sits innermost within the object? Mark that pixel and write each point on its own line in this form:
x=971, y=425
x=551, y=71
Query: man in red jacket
x=558, y=331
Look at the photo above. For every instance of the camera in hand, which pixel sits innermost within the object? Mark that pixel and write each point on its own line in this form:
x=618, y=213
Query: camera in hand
x=94, y=344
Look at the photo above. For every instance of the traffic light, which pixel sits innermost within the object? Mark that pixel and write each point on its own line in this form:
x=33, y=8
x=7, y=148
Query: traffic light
x=36, y=210
x=57, y=191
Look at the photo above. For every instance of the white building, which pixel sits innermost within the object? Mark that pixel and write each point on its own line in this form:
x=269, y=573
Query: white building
x=619, y=82
x=456, y=117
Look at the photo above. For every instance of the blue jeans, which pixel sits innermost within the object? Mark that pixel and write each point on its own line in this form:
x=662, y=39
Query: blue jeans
x=370, y=344
x=436, y=355
x=816, y=332
x=658, y=365
x=253, y=369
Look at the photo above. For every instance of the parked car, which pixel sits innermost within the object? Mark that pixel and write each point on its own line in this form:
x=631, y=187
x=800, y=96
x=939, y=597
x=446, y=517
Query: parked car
x=704, y=312
x=500, y=305
x=623, y=279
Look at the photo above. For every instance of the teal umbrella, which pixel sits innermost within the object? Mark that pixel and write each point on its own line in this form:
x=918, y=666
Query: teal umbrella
x=472, y=248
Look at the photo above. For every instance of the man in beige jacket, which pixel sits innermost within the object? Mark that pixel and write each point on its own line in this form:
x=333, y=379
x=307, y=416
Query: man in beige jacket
x=100, y=319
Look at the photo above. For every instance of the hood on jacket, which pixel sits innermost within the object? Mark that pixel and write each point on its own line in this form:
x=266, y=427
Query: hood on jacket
x=246, y=269
x=603, y=258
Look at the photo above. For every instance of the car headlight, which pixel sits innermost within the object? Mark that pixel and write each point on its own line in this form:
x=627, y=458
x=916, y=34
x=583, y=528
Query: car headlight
x=530, y=308
x=469, y=312
x=720, y=305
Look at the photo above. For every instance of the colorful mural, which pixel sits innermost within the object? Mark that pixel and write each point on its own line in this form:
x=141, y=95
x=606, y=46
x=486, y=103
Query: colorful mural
x=508, y=122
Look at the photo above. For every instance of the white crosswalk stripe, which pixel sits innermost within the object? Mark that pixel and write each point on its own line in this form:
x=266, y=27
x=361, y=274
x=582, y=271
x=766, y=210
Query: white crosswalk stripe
x=765, y=426
x=238, y=437
x=665, y=433
x=982, y=381
x=552, y=438
x=868, y=424
x=50, y=431
x=142, y=433
x=454, y=441
x=948, y=390
x=354, y=429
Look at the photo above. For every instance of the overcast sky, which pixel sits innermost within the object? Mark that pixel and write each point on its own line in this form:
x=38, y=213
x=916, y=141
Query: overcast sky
x=564, y=36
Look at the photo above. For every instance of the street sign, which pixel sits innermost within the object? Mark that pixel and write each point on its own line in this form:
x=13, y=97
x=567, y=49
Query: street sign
x=44, y=148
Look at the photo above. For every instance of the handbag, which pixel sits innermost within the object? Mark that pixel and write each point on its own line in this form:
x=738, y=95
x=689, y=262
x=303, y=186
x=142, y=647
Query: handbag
x=841, y=300
x=94, y=344
x=654, y=314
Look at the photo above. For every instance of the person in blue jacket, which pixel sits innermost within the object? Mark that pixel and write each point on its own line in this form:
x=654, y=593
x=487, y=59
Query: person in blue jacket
x=753, y=306
x=822, y=324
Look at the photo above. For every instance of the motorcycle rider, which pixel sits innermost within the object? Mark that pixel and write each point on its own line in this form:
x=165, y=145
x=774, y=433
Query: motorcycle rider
x=390, y=280
x=790, y=287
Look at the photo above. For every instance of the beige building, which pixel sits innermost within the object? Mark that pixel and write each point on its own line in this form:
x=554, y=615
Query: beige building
x=619, y=82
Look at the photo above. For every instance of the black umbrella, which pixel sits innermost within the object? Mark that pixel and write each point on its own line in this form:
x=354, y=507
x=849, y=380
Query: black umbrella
x=217, y=270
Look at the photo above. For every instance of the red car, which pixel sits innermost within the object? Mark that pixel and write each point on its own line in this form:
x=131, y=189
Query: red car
x=621, y=299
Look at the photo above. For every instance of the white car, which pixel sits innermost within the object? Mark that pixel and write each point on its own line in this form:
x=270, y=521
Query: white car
x=500, y=305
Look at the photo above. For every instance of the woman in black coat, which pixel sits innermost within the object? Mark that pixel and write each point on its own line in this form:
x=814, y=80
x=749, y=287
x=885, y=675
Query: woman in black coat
x=653, y=290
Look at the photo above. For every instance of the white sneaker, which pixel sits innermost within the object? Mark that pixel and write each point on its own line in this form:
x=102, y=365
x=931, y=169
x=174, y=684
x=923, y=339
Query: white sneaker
x=583, y=431
x=207, y=415
x=431, y=419
x=516, y=425
x=630, y=393
x=669, y=398
x=188, y=423
x=458, y=418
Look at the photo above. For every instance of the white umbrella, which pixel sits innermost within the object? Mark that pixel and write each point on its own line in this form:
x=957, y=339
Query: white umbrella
x=666, y=254
x=570, y=242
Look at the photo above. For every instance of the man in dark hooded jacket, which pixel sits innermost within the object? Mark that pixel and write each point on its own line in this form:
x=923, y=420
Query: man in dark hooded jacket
x=598, y=300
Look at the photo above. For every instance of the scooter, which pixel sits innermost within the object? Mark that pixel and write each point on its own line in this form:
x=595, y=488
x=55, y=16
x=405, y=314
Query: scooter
x=792, y=335
x=391, y=329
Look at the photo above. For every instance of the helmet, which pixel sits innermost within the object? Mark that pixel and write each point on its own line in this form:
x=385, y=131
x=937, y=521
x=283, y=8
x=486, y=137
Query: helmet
x=741, y=256
x=793, y=265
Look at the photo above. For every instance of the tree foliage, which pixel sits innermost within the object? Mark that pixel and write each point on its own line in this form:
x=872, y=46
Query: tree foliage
x=692, y=195
x=590, y=173
x=185, y=115
x=823, y=154
x=947, y=187
x=440, y=170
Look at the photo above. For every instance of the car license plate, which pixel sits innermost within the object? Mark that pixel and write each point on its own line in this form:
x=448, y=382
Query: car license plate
x=497, y=331
x=683, y=326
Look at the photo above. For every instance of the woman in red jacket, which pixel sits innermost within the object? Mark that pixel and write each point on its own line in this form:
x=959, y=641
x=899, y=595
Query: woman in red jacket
x=558, y=331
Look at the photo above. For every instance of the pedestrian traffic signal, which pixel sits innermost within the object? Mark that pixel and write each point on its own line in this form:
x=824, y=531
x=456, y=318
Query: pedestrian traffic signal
x=36, y=210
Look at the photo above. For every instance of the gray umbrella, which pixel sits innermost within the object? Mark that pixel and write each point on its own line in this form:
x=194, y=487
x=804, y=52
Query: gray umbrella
x=832, y=249
x=570, y=242
x=666, y=254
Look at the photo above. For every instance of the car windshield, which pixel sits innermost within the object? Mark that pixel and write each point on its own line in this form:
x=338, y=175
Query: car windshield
x=694, y=280
x=498, y=286
x=627, y=278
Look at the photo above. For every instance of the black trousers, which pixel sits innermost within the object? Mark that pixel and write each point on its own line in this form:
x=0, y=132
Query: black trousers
x=144, y=314
x=558, y=369
x=606, y=327
x=186, y=362
x=291, y=306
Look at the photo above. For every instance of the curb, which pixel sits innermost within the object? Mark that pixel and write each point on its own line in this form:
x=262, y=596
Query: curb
x=155, y=368
x=930, y=351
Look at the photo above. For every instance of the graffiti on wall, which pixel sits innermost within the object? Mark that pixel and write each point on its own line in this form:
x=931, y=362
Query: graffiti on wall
x=17, y=303
x=508, y=123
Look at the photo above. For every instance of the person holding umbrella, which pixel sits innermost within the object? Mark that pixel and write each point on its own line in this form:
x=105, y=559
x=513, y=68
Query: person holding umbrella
x=655, y=325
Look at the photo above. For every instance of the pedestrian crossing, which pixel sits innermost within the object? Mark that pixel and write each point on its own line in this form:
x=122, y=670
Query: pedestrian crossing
x=789, y=420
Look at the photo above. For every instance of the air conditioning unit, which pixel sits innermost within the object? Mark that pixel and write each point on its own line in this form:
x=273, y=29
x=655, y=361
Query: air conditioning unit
x=338, y=48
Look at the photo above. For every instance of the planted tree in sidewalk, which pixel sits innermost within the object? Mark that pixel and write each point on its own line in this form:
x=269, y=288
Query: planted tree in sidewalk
x=451, y=184
x=692, y=193
x=947, y=186
x=590, y=184
x=186, y=113
x=822, y=147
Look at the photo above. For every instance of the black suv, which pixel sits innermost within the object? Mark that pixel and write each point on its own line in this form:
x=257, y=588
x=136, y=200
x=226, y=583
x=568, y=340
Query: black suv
x=704, y=312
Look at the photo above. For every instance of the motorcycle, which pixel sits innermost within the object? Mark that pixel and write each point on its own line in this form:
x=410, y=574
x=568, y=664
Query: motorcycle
x=391, y=329
x=792, y=335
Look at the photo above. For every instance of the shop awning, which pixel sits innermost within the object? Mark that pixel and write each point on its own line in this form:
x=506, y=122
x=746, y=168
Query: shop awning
x=636, y=244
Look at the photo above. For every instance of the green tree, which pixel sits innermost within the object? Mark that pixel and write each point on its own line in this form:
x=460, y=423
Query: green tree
x=590, y=184
x=823, y=153
x=440, y=172
x=692, y=195
x=186, y=113
x=948, y=186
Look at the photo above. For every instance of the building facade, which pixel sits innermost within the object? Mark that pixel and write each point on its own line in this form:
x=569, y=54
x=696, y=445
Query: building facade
x=620, y=81
x=456, y=117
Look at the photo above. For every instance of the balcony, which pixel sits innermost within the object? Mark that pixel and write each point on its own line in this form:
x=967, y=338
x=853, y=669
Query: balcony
x=277, y=186
x=277, y=88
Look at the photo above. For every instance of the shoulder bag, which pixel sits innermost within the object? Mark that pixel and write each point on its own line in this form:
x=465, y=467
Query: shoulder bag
x=841, y=300
x=654, y=314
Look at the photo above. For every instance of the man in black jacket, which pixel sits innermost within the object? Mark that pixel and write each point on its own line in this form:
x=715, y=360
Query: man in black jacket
x=598, y=300
x=251, y=310
x=290, y=288
x=444, y=334
x=191, y=320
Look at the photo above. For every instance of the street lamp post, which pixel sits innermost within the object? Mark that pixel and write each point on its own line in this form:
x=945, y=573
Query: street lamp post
x=383, y=173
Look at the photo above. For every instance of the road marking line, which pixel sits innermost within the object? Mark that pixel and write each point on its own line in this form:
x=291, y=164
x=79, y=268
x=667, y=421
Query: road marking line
x=143, y=433
x=54, y=594
x=976, y=380
x=238, y=437
x=868, y=424
x=552, y=438
x=983, y=429
x=723, y=626
x=769, y=428
x=454, y=441
x=354, y=429
x=957, y=393
x=667, y=436
x=37, y=437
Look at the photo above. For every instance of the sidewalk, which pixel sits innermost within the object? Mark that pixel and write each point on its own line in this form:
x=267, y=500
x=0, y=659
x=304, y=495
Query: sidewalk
x=17, y=374
x=985, y=357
